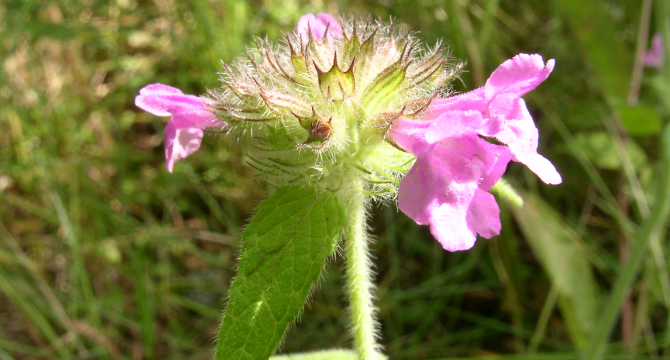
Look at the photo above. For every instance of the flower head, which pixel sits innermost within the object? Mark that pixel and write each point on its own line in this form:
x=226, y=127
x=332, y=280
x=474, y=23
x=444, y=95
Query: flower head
x=456, y=167
x=190, y=115
x=318, y=105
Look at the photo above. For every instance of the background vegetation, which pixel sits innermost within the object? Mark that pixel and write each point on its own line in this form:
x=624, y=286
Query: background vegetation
x=105, y=255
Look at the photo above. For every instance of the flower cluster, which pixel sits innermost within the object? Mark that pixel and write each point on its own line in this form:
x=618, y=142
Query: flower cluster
x=343, y=98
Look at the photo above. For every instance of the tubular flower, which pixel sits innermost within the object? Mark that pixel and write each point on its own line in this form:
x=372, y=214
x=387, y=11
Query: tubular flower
x=455, y=167
x=504, y=113
x=190, y=115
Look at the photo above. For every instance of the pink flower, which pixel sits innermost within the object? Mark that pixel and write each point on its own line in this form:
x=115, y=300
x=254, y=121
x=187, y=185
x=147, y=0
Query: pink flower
x=447, y=186
x=654, y=57
x=504, y=113
x=321, y=25
x=190, y=115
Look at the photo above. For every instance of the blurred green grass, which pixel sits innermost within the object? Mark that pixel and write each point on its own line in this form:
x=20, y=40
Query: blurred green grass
x=105, y=255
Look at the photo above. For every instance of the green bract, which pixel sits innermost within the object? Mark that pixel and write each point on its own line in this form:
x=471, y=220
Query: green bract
x=313, y=110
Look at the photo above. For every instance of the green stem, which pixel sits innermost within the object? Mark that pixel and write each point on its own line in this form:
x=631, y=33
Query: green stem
x=364, y=326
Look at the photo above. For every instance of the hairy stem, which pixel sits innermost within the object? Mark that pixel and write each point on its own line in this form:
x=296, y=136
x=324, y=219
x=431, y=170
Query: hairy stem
x=364, y=325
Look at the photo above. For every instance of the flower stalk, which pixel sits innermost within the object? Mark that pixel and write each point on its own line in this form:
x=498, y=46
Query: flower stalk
x=364, y=325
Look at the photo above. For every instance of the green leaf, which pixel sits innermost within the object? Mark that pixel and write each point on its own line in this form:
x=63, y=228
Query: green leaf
x=564, y=259
x=600, y=148
x=640, y=119
x=285, y=247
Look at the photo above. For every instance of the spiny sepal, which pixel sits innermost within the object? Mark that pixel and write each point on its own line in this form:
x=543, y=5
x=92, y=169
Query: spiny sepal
x=383, y=88
x=282, y=103
x=337, y=84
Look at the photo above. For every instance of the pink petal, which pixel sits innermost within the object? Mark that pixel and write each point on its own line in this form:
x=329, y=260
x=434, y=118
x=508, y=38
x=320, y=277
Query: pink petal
x=160, y=89
x=521, y=136
x=503, y=108
x=470, y=101
x=542, y=167
x=456, y=226
x=654, y=57
x=473, y=100
x=449, y=226
x=483, y=215
x=443, y=183
x=470, y=159
x=334, y=27
x=183, y=134
x=190, y=114
x=304, y=27
x=199, y=118
x=420, y=190
x=321, y=25
x=163, y=100
x=500, y=156
x=518, y=75
x=410, y=134
x=180, y=143
x=454, y=124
